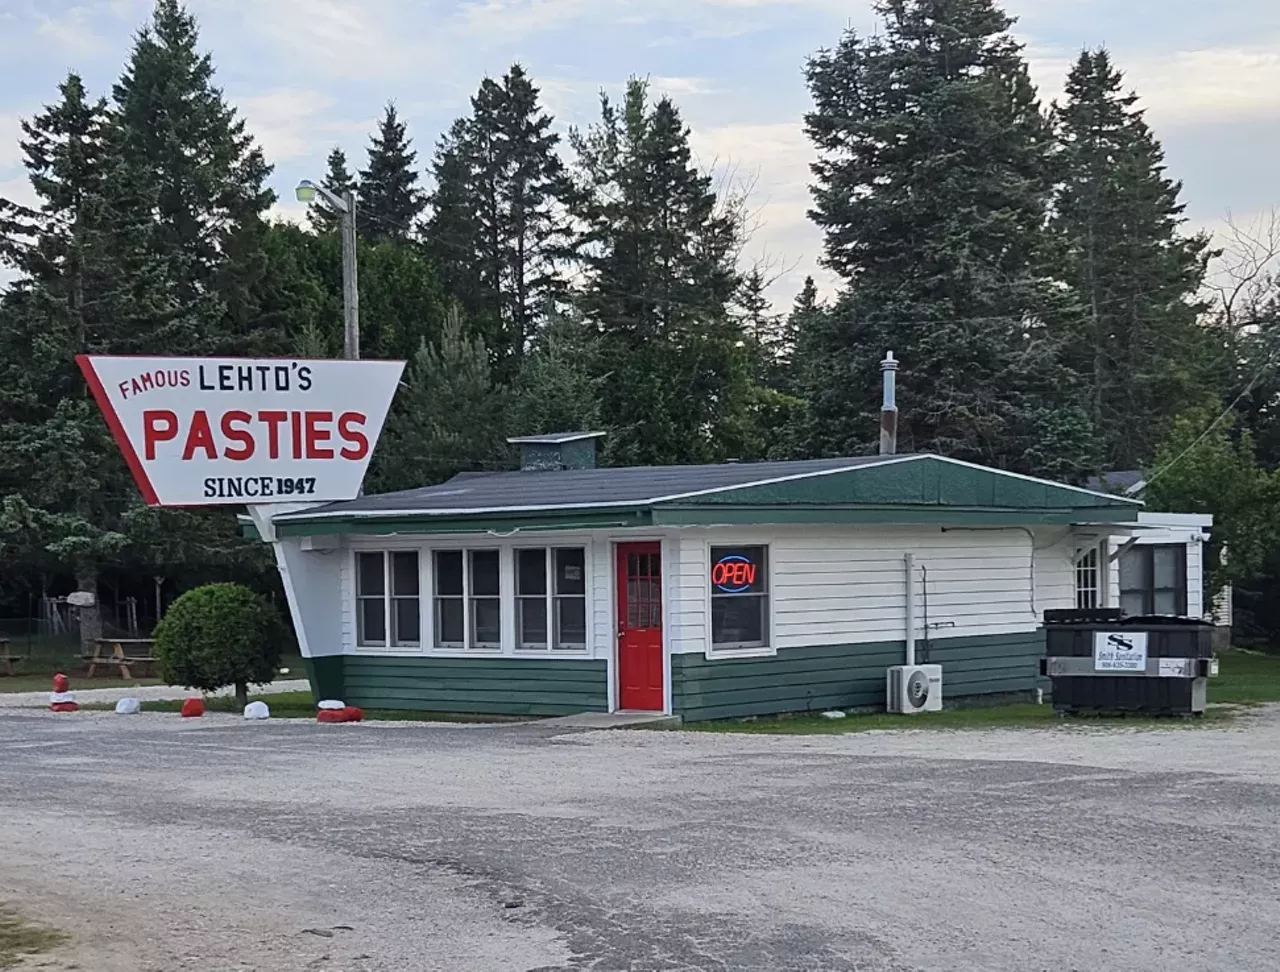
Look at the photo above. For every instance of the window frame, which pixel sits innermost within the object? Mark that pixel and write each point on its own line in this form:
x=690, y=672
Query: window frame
x=768, y=622
x=1147, y=551
x=387, y=646
x=1082, y=570
x=509, y=634
x=549, y=598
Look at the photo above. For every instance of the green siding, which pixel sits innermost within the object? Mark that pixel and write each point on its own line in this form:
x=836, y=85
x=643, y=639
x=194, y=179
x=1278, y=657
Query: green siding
x=325, y=675
x=505, y=686
x=847, y=676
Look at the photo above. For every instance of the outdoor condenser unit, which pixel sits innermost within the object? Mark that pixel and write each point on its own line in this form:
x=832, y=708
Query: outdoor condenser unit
x=914, y=688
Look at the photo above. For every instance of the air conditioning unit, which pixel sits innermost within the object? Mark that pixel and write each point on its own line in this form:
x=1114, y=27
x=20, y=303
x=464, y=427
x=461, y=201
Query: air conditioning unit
x=914, y=688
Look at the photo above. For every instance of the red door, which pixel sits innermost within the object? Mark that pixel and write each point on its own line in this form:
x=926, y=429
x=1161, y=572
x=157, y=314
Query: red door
x=640, y=626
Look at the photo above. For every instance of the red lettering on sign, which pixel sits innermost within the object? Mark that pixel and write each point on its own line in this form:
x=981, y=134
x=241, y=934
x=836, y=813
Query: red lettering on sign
x=295, y=426
x=158, y=425
x=357, y=442
x=200, y=436
x=242, y=436
x=317, y=435
x=273, y=421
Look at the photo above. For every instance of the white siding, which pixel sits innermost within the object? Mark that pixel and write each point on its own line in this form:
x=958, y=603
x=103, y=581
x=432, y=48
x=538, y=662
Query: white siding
x=847, y=585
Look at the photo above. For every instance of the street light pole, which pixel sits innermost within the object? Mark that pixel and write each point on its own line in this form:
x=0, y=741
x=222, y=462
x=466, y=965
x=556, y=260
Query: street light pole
x=345, y=207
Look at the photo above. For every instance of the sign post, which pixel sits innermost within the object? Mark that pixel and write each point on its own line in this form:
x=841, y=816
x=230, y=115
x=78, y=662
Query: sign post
x=245, y=431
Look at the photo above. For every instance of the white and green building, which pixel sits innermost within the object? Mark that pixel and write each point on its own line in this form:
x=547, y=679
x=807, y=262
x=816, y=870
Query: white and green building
x=701, y=591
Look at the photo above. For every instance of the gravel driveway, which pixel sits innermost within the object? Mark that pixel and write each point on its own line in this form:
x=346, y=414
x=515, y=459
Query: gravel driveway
x=166, y=845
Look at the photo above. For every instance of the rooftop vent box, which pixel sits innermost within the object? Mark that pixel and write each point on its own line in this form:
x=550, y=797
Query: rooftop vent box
x=558, y=450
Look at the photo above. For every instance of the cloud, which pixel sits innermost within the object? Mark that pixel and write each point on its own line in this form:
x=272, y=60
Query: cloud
x=772, y=160
x=290, y=123
x=10, y=133
x=1219, y=85
x=72, y=29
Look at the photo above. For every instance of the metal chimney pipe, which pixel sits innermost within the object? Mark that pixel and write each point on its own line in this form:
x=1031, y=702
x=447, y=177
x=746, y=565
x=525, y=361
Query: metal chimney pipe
x=889, y=408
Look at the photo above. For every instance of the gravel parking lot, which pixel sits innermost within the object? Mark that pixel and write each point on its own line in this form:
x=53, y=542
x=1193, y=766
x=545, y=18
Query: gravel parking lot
x=165, y=845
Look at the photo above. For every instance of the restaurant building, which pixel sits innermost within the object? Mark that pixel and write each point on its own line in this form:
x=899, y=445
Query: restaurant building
x=704, y=591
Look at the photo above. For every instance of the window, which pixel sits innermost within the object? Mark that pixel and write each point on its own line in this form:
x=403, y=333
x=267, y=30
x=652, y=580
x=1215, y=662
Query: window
x=739, y=598
x=468, y=599
x=387, y=599
x=1088, y=594
x=563, y=601
x=1153, y=580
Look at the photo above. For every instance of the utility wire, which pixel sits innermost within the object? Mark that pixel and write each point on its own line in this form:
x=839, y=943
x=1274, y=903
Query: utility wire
x=1212, y=425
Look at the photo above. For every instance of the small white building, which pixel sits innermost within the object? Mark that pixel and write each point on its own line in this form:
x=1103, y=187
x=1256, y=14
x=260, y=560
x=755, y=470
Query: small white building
x=709, y=591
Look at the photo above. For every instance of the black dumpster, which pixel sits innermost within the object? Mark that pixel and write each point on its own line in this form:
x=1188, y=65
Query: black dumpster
x=1102, y=662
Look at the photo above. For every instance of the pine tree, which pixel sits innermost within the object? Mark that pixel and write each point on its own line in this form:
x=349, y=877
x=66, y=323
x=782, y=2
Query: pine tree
x=658, y=259
x=560, y=384
x=931, y=188
x=94, y=279
x=499, y=224
x=390, y=201
x=208, y=177
x=339, y=182
x=1118, y=218
x=450, y=417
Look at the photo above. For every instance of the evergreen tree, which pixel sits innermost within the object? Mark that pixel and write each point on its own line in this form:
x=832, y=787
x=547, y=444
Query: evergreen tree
x=94, y=280
x=450, y=417
x=1118, y=217
x=931, y=188
x=207, y=178
x=499, y=222
x=390, y=201
x=339, y=182
x=658, y=258
x=560, y=383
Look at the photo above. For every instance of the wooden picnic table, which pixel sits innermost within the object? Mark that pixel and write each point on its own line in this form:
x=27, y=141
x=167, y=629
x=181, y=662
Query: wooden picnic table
x=8, y=659
x=123, y=653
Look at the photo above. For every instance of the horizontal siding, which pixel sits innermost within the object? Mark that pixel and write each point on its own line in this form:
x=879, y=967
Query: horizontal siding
x=847, y=585
x=492, y=685
x=847, y=676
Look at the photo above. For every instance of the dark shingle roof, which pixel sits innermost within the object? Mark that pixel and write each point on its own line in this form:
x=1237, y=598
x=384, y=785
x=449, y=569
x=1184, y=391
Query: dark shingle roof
x=625, y=486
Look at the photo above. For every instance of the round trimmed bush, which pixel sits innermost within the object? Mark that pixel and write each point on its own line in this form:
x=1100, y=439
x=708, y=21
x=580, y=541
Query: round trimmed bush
x=217, y=635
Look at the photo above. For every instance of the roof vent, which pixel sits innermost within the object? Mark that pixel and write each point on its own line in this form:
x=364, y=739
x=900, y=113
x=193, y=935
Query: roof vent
x=559, y=450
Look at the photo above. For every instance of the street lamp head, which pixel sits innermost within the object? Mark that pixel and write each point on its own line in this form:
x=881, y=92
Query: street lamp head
x=306, y=191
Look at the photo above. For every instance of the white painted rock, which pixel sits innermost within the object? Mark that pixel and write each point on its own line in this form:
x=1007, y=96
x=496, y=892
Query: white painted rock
x=128, y=707
x=331, y=704
x=834, y=714
x=257, y=710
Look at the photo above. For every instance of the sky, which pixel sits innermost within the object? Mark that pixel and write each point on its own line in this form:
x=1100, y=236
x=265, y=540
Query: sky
x=311, y=74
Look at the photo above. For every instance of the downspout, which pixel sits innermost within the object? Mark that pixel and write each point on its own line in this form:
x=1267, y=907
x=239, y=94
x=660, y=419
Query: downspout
x=909, y=561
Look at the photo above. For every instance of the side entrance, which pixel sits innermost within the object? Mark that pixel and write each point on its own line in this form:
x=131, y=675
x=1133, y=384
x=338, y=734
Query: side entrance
x=640, y=626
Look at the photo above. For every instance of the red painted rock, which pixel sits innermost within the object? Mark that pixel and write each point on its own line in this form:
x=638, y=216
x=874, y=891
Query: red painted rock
x=193, y=708
x=353, y=713
x=61, y=699
x=331, y=715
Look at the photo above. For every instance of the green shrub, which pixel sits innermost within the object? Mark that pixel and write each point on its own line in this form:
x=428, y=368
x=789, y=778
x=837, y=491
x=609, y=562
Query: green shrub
x=217, y=635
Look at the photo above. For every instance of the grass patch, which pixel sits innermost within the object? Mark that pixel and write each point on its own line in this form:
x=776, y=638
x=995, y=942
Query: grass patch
x=995, y=717
x=300, y=705
x=1244, y=679
x=19, y=937
x=36, y=675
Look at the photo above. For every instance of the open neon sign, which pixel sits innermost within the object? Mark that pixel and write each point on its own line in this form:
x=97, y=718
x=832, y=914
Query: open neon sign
x=734, y=574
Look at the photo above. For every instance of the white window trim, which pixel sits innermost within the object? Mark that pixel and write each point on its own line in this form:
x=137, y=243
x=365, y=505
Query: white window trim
x=549, y=549
x=722, y=653
x=426, y=550
x=388, y=598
